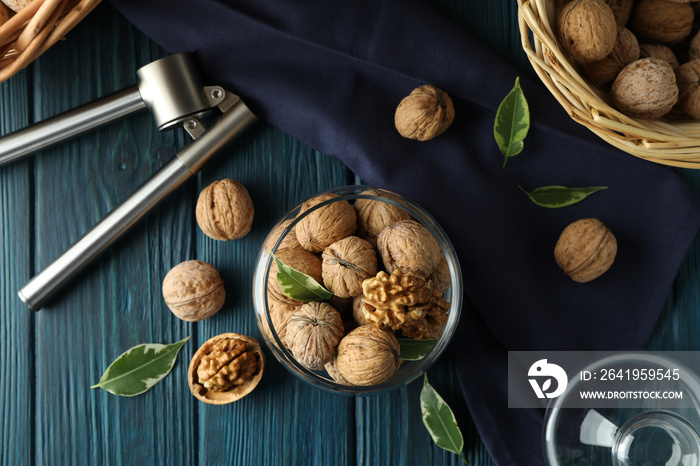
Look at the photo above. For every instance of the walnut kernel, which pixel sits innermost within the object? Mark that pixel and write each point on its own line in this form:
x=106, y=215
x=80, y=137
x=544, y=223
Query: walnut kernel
x=409, y=246
x=225, y=368
x=325, y=225
x=225, y=210
x=346, y=263
x=424, y=114
x=587, y=29
x=646, y=88
x=585, y=250
x=368, y=356
x=313, y=333
x=405, y=303
x=193, y=290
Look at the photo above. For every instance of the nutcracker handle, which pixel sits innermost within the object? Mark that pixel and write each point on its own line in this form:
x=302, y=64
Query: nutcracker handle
x=170, y=87
x=185, y=164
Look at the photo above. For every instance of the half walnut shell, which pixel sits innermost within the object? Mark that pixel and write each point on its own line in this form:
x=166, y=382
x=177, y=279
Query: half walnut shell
x=225, y=368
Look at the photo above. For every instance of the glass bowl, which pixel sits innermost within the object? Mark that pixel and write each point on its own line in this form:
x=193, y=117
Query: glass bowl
x=409, y=369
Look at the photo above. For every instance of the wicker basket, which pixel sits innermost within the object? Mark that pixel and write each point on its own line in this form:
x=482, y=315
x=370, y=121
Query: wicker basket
x=38, y=26
x=672, y=140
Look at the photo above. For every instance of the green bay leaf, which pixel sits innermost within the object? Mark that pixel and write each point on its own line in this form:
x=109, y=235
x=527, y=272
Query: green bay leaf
x=298, y=285
x=440, y=420
x=139, y=368
x=512, y=122
x=414, y=350
x=554, y=197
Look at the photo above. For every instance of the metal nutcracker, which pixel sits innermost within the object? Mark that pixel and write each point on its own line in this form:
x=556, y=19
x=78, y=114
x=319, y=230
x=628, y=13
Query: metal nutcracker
x=171, y=88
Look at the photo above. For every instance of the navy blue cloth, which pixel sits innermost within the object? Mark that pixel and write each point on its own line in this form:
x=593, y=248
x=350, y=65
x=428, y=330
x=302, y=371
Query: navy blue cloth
x=331, y=74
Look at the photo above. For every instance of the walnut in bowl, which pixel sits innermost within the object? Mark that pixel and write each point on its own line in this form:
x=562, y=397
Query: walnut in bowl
x=357, y=257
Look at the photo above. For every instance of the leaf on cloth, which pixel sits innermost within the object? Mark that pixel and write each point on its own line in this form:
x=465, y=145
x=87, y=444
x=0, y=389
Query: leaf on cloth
x=554, y=197
x=440, y=420
x=139, y=368
x=512, y=122
x=298, y=285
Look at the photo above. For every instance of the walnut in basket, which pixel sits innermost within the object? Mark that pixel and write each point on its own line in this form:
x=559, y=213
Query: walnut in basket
x=646, y=88
x=689, y=87
x=587, y=29
x=625, y=51
x=662, y=21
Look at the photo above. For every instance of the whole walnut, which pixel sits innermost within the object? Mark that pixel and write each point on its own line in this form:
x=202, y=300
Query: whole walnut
x=625, y=51
x=441, y=276
x=288, y=242
x=298, y=259
x=585, y=250
x=346, y=263
x=332, y=369
x=225, y=368
x=225, y=210
x=622, y=9
x=424, y=114
x=587, y=29
x=689, y=87
x=662, y=21
x=280, y=312
x=193, y=290
x=313, y=333
x=694, y=50
x=646, y=88
x=373, y=215
x=325, y=225
x=662, y=52
x=368, y=356
x=358, y=314
x=409, y=246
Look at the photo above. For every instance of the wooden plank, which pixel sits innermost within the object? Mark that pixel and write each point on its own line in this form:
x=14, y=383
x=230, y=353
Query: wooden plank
x=16, y=321
x=284, y=421
x=116, y=303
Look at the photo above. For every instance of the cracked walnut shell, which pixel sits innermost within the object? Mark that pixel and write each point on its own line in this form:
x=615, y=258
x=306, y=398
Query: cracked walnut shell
x=424, y=114
x=368, y=356
x=325, y=225
x=587, y=29
x=225, y=368
x=410, y=247
x=373, y=215
x=646, y=88
x=225, y=210
x=405, y=303
x=313, y=333
x=193, y=290
x=346, y=263
x=585, y=250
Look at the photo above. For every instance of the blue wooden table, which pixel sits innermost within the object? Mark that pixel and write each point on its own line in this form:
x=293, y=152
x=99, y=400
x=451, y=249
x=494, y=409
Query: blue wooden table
x=49, y=359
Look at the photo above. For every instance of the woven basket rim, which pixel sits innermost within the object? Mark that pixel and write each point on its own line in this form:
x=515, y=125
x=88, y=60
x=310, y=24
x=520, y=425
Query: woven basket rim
x=672, y=140
x=38, y=26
